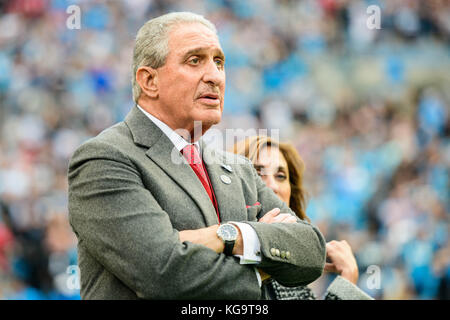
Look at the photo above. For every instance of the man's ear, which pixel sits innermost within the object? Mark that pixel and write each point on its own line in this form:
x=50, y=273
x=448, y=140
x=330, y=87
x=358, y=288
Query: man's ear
x=147, y=78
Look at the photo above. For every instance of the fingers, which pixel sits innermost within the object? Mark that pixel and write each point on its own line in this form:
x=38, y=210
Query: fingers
x=339, y=247
x=342, y=260
x=270, y=215
x=285, y=218
x=329, y=267
x=290, y=219
x=274, y=216
x=336, y=251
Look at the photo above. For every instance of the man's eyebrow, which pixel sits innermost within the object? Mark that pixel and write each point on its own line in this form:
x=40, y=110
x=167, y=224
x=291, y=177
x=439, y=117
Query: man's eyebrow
x=195, y=51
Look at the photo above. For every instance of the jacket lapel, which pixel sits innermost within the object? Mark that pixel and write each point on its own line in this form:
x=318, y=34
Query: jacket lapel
x=164, y=154
x=226, y=184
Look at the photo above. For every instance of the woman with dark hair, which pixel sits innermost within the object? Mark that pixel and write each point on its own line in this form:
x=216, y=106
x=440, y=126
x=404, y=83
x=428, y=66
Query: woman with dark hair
x=281, y=168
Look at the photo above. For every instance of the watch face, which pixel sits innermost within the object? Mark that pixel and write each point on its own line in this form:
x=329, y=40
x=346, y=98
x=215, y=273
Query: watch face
x=228, y=232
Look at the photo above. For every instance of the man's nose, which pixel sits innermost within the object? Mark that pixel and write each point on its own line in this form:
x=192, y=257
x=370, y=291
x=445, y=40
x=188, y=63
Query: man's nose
x=213, y=75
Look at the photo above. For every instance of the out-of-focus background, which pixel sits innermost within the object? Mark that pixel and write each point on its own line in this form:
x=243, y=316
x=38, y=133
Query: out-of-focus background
x=367, y=109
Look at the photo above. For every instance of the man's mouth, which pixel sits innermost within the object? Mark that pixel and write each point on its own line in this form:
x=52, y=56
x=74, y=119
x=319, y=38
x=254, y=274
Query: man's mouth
x=209, y=98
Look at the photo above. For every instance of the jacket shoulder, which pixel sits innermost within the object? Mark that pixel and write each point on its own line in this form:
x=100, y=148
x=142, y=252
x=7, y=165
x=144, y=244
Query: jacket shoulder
x=111, y=143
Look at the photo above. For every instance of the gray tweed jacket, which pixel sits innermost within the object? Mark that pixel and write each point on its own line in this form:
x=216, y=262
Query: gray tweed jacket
x=339, y=289
x=130, y=195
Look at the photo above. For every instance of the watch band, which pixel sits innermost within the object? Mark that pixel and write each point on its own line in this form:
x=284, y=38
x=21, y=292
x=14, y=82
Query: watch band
x=229, y=245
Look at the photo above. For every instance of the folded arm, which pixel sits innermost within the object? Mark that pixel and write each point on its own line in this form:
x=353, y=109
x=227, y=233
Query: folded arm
x=278, y=232
x=124, y=228
x=208, y=236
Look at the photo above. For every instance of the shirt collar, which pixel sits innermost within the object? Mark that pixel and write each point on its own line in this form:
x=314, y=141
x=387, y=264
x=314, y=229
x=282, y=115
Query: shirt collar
x=178, y=141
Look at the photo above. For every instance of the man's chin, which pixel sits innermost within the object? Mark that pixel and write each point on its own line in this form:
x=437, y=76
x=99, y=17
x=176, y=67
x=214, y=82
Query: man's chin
x=211, y=116
x=208, y=122
x=203, y=124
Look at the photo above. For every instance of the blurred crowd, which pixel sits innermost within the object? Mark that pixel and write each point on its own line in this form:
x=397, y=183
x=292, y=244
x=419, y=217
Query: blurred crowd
x=367, y=109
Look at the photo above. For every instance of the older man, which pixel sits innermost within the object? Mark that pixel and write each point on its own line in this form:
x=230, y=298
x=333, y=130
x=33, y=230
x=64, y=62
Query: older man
x=157, y=214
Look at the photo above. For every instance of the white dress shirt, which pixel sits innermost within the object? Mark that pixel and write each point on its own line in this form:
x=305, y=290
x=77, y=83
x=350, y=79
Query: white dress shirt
x=252, y=246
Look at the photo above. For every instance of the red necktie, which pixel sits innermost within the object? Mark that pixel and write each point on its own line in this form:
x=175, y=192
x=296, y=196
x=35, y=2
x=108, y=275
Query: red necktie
x=192, y=156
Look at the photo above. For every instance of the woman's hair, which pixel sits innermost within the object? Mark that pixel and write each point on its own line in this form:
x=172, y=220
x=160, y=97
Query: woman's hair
x=251, y=147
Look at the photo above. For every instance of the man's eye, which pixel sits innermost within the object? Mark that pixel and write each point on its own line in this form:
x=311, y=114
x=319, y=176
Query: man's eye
x=194, y=61
x=219, y=63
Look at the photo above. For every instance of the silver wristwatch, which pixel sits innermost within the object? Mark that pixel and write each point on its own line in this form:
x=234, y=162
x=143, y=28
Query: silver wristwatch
x=228, y=233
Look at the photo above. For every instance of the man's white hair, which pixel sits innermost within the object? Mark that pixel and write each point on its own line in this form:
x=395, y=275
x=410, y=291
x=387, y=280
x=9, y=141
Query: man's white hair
x=152, y=42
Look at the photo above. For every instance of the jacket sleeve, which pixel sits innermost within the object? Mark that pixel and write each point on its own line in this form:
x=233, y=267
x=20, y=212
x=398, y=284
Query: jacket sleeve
x=292, y=253
x=124, y=228
x=342, y=289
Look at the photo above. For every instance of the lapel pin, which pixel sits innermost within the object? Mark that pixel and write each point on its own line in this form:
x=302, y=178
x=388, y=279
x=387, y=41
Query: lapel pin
x=225, y=179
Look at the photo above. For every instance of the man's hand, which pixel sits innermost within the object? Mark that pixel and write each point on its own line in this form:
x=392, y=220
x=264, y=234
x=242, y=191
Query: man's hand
x=274, y=215
x=208, y=237
x=204, y=236
x=343, y=261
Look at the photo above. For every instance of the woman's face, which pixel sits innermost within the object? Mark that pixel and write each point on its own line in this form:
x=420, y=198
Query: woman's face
x=272, y=167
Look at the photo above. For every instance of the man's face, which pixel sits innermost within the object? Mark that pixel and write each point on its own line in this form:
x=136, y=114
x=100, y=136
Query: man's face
x=192, y=81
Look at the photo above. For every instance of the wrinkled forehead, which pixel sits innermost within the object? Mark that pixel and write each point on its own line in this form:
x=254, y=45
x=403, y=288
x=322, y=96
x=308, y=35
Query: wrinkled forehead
x=185, y=37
